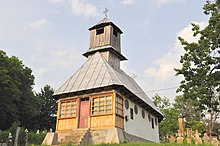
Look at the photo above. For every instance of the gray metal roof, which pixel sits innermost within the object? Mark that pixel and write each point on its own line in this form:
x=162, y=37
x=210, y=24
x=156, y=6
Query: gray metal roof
x=105, y=22
x=96, y=72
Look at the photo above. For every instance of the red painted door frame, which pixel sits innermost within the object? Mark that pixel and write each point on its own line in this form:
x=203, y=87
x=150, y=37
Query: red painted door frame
x=84, y=110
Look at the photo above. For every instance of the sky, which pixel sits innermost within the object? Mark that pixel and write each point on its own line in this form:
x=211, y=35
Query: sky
x=50, y=36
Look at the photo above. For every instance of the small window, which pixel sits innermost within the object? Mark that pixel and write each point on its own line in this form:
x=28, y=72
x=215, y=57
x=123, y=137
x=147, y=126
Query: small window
x=115, y=32
x=135, y=109
x=126, y=104
x=149, y=117
x=100, y=31
x=119, y=105
x=152, y=122
x=156, y=121
x=68, y=108
x=143, y=114
x=131, y=113
x=101, y=105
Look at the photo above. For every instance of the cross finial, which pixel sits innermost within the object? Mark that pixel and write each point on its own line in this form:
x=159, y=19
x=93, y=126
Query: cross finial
x=105, y=12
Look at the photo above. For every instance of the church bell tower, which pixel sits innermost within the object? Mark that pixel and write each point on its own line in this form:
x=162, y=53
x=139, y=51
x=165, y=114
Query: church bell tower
x=105, y=37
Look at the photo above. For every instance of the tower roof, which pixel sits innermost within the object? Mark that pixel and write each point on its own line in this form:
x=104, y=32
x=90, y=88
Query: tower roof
x=96, y=73
x=104, y=22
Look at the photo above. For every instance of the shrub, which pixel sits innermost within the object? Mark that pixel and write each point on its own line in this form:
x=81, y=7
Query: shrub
x=34, y=138
x=4, y=136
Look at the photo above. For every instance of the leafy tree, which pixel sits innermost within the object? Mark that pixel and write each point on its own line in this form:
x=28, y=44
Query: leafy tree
x=161, y=103
x=17, y=102
x=201, y=68
x=169, y=123
x=47, y=108
x=191, y=116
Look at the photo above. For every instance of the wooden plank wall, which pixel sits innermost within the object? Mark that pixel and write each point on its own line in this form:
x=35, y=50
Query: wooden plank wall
x=115, y=41
x=101, y=121
x=67, y=124
x=101, y=39
x=119, y=122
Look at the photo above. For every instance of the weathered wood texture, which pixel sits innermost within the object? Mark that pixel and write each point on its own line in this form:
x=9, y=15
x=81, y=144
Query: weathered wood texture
x=101, y=121
x=119, y=122
x=105, y=39
x=94, y=121
x=66, y=124
x=115, y=41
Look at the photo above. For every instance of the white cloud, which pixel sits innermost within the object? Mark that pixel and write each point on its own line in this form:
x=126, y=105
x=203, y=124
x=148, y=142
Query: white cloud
x=162, y=2
x=58, y=58
x=37, y=25
x=56, y=1
x=128, y=2
x=163, y=69
x=81, y=8
x=54, y=65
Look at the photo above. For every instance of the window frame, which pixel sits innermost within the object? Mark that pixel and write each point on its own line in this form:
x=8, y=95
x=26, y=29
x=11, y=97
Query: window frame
x=105, y=104
x=100, y=31
x=65, y=109
x=121, y=104
x=131, y=113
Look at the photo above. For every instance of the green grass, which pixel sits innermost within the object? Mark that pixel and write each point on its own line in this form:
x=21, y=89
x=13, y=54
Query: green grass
x=143, y=144
x=148, y=144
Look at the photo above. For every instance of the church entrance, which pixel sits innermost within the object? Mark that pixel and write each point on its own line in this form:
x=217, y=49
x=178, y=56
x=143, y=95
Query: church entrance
x=84, y=113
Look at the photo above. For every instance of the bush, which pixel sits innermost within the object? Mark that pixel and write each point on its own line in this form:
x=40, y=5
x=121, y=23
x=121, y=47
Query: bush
x=34, y=138
x=4, y=136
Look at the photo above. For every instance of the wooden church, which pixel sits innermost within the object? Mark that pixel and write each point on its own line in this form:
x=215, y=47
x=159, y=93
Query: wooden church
x=100, y=103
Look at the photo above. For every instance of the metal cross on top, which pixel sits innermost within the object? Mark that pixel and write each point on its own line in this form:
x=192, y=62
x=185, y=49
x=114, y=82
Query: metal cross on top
x=105, y=12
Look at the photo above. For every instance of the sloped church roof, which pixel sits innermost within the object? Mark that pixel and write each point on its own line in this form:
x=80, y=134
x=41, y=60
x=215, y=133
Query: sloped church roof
x=97, y=72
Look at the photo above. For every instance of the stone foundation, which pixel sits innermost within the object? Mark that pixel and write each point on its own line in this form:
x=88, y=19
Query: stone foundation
x=91, y=136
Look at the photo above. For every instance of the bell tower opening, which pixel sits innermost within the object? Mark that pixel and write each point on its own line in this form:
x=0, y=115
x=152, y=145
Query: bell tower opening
x=99, y=31
x=105, y=38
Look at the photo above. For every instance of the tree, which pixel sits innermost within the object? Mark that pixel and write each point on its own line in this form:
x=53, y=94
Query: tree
x=161, y=103
x=169, y=124
x=191, y=116
x=201, y=68
x=171, y=112
x=17, y=101
x=47, y=108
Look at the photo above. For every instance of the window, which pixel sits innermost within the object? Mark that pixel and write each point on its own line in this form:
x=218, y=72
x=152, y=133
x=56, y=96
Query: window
x=115, y=32
x=156, y=121
x=68, y=108
x=102, y=105
x=131, y=113
x=119, y=105
x=126, y=104
x=135, y=109
x=149, y=117
x=152, y=122
x=143, y=114
x=100, y=31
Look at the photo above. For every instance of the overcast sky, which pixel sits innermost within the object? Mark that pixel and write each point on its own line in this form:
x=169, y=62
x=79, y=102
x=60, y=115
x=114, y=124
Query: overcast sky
x=50, y=36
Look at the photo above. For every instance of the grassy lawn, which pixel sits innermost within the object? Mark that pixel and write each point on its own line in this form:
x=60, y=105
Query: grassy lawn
x=148, y=144
x=144, y=144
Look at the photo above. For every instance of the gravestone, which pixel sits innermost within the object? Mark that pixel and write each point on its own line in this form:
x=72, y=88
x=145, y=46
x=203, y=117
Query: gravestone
x=181, y=124
x=167, y=138
x=206, y=139
x=214, y=141
x=38, y=131
x=179, y=139
x=172, y=139
x=189, y=135
x=198, y=139
x=16, y=136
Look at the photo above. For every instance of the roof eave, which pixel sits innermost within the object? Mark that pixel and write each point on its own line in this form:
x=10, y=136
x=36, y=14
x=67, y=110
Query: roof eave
x=106, y=24
x=121, y=57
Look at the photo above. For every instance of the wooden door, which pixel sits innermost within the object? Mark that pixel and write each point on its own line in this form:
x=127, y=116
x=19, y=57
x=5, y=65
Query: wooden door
x=84, y=113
